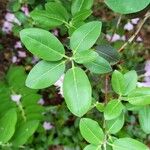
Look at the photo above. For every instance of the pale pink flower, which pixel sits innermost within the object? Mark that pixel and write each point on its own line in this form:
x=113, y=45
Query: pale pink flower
x=143, y=84
x=25, y=9
x=135, y=20
x=115, y=37
x=41, y=101
x=128, y=26
x=139, y=39
x=16, y=97
x=11, y=18
x=55, y=32
x=146, y=82
x=21, y=54
x=59, y=84
x=7, y=27
x=147, y=68
x=47, y=125
x=14, y=59
x=18, y=45
x=123, y=38
x=35, y=59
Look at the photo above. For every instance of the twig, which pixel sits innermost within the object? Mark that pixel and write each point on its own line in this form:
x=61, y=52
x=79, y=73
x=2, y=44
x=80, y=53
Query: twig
x=147, y=15
x=106, y=88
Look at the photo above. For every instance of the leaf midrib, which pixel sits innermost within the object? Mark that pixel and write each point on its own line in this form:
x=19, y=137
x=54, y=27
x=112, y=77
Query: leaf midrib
x=76, y=88
x=83, y=39
x=47, y=72
x=54, y=51
x=98, y=140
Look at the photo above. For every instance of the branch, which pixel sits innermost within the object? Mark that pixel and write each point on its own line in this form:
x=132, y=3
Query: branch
x=147, y=15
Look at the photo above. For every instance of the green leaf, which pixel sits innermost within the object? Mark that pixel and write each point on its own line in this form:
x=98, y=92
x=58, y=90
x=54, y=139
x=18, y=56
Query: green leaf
x=85, y=36
x=79, y=5
x=57, y=9
x=130, y=81
x=92, y=147
x=85, y=56
x=128, y=144
x=139, y=96
x=115, y=125
x=113, y=109
x=45, y=74
x=91, y=131
x=80, y=16
x=45, y=19
x=127, y=6
x=77, y=91
x=7, y=125
x=100, y=107
x=42, y=44
x=98, y=66
x=12, y=77
x=24, y=132
x=109, y=53
x=118, y=82
x=144, y=119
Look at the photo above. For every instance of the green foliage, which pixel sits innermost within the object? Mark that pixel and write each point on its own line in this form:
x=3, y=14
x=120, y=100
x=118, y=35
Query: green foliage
x=45, y=74
x=109, y=53
x=16, y=115
x=7, y=125
x=25, y=131
x=127, y=6
x=128, y=143
x=78, y=5
x=139, y=96
x=92, y=147
x=91, y=131
x=113, y=109
x=76, y=86
x=81, y=54
x=144, y=119
x=43, y=44
x=113, y=126
x=98, y=66
x=124, y=84
x=118, y=82
x=85, y=36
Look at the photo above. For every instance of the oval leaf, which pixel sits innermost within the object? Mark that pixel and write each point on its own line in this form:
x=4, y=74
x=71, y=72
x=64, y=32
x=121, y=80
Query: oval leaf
x=113, y=109
x=24, y=132
x=128, y=144
x=57, y=9
x=109, y=53
x=130, y=83
x=77, y=91
x=45, y=74
x=144, y=119
x=139, y=96
x=91, y=131
x=85, y=36
x=127, y=6
x=7, y=125
x=92, y=147
x=45, y=19
x=79, y=5
x=115, y=125
x=118, y=82
x=98, y=66
x=42, y=44
x=85, y=56
x=80, y=16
